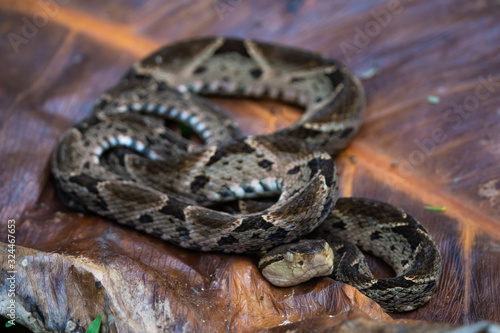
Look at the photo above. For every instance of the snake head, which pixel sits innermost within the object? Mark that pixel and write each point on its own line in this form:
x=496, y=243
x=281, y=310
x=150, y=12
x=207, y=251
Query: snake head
x=291, y=264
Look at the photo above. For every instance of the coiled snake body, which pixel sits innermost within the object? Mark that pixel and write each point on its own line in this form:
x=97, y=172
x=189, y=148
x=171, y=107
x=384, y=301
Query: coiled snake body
x=123, y=163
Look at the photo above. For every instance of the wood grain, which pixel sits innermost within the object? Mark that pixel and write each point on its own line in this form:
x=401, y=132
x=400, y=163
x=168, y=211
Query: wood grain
x=409, y=152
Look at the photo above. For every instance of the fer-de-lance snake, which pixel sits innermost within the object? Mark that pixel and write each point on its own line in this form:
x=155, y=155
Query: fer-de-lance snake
x=124, y=163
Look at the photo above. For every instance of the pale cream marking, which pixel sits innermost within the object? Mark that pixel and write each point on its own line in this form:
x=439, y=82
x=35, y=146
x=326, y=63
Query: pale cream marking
x=237, y=190
x=310, y=72
x=161, y=109
x=136, y=106
x=122, y=108
x=202, y=56
x=259, y=58
x=331, y=97
x=139, y=145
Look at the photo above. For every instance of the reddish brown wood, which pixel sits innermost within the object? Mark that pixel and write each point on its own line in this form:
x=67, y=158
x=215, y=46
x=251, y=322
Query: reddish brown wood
x=409, y=152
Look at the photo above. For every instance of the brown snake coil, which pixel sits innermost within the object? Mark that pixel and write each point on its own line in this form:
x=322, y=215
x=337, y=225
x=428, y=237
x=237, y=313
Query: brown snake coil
x=124, y=163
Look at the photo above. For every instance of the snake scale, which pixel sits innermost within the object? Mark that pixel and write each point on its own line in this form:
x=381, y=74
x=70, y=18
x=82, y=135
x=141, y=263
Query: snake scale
x=124, y=163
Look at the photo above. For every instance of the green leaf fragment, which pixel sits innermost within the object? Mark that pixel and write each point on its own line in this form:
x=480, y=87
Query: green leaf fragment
x=433, y=99
x=95, y=325
x=435, y=209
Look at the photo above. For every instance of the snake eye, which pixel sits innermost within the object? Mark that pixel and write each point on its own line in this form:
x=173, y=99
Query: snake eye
x=301, y=263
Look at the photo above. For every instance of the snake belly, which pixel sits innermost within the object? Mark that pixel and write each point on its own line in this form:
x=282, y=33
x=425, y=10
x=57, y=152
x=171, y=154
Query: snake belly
x=124, y=163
